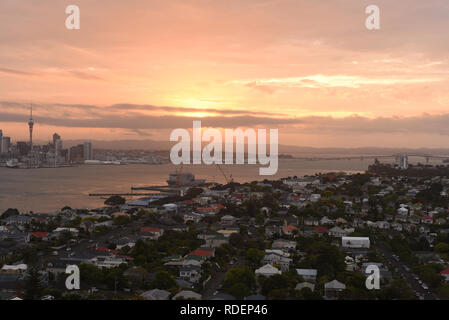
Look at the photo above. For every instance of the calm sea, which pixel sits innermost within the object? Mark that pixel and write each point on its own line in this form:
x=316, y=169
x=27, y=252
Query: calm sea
x=47, y=190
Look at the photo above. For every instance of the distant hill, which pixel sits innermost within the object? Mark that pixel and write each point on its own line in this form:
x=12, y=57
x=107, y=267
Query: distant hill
x=284, y=149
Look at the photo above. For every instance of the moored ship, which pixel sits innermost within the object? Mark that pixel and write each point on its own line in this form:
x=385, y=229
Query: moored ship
x=183, y=179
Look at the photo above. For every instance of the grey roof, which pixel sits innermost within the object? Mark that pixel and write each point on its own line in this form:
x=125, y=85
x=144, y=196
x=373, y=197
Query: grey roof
x=187, y=294
x=334, y=284
x=156, y=294
x=255, y=297
x=307, y=272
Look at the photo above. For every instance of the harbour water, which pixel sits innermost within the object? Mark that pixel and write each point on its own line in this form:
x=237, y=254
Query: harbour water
x=47, y=190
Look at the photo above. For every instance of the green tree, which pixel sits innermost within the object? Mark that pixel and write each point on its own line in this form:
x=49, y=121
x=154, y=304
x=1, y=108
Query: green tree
x=242, y=275
x=10, y=212
x=121, y=220
x=115, y=201
x=397, y=290
x=442, y=247
x=163, y=280
x=253, y=256
x=275, y=282
x=33, y=284
x=239, y=290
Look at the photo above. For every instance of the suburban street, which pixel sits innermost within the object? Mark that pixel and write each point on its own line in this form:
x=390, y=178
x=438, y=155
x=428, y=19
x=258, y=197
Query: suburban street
x=403, y=270
x=214, y=283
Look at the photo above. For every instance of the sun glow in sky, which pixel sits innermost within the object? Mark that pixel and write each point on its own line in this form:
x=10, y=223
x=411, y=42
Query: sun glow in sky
x=139, y=69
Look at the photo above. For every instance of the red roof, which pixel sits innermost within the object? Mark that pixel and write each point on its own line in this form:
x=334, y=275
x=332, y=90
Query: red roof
x=206, y=209
x=289, y=227
x=150, y=229
x=321, y=230
x=107, y=250
x=426, y=218
x=220, y=206
x=119, y=214
x=238, y=195
x=445, y=271
x=201, y=253
x=39, y=234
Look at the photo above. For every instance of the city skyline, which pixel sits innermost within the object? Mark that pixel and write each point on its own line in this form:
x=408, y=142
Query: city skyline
x=141, y=69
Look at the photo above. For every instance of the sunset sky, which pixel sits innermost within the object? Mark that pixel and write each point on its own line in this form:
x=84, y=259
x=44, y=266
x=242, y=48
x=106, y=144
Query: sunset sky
x=139, y=69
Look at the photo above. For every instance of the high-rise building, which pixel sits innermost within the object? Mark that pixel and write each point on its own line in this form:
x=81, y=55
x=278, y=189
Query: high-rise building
x=6, y=143
x=402, y=161
x=88, y=151
x=58, y=146
x=1, y=139
x=76, y=153
x=22, y=148
x=55, y=138
x=30, y=125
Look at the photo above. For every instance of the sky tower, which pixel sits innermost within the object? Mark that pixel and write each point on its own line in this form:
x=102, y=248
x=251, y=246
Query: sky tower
x=31, y=124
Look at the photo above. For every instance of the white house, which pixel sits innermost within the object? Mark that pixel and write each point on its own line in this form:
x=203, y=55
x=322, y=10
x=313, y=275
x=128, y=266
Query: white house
x=155, y=294
x=280, y=260
x=267, y=271
x=338, y=232
x=355, y=242
x=402, y=211
x=107, y=261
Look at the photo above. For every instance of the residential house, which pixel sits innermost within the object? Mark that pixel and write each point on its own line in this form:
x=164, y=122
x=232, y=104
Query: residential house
x=187, y=295
x=283, y=244
x=267, y=270
x=427, y=220
x=107, y=261
x=228, y=220
x=191, y=273
x=276, y=259
x=321, y=230
x=289, y=230
x=355, y=242
x=42, y=236
x=332, y=288
x=155, y=294
x=152, y=233
x=270, y=231
x=202, y=253
x=309, y=275
x=338, y=232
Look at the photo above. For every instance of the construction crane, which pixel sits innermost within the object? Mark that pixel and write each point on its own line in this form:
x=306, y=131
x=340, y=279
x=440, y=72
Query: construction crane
x=224, y=175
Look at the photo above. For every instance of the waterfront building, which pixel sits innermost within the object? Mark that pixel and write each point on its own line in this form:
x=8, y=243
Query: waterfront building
x=88, y=151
